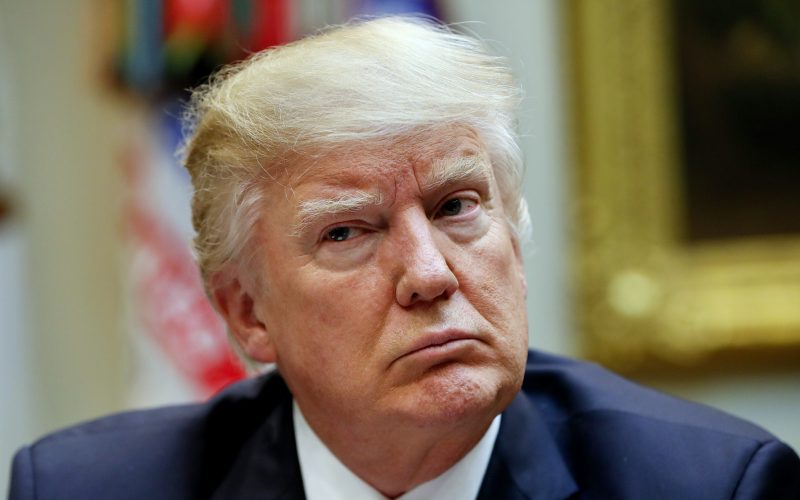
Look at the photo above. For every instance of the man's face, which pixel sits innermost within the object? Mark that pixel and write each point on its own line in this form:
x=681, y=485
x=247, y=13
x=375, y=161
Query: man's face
x=392, y=287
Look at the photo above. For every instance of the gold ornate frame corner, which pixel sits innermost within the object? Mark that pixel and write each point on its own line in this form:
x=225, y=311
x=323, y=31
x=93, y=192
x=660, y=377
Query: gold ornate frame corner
x=642, y=293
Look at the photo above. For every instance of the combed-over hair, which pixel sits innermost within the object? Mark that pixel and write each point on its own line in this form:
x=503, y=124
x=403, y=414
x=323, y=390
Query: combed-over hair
x=368, y=80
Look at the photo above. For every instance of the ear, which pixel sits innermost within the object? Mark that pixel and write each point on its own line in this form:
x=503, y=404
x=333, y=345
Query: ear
x=520, y=266
x=524, y=282
x=237, y=307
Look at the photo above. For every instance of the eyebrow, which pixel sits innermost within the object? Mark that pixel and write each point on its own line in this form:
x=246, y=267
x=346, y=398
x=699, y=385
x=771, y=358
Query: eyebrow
x=454, y=170
x=442, y=173
x=311, y=210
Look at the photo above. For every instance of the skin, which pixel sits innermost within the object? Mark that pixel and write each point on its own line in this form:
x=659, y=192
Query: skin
x=399, y=325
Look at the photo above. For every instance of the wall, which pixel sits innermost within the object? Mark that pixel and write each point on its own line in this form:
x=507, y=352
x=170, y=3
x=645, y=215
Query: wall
x=15, y=386
x=67, y=345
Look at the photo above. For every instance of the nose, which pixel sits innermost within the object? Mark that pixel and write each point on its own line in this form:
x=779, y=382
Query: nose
x=426, y=274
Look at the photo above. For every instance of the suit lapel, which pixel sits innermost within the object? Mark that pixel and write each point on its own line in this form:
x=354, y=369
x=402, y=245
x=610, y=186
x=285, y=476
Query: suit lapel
x=267, y=466
x=525, y=462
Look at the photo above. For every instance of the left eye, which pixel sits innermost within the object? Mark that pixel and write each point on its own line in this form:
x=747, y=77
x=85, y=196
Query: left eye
x=451, y=207
x=456, y=206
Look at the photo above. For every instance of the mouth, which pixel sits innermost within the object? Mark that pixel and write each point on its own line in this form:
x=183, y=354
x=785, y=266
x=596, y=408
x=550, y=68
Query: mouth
x=439, y=345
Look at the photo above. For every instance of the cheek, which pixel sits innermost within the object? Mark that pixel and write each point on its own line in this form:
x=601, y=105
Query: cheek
x=493, y=280
x=341, y=310
x=493, y=265
x=330, y=332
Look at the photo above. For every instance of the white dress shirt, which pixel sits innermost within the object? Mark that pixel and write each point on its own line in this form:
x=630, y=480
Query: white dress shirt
x=326, y=478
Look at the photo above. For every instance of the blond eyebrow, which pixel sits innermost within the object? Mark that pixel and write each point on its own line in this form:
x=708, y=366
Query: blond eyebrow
x=442, y=173
x=454, y=170
x=311, y=210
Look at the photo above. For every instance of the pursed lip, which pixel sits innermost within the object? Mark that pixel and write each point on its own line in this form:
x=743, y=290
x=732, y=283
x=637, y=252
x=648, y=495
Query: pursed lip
x=436, y=339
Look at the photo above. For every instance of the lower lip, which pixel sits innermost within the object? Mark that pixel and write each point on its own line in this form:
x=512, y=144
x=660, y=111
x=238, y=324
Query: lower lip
x=441, y=352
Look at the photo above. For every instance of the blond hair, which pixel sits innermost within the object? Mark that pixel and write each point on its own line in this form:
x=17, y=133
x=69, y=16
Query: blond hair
x=368, y=80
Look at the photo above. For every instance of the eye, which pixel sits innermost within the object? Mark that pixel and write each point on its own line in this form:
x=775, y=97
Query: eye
x=450, y=208
x=456, y=206
x=342, y=233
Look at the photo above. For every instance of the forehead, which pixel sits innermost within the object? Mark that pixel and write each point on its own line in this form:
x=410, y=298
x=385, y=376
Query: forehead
x=370, y=164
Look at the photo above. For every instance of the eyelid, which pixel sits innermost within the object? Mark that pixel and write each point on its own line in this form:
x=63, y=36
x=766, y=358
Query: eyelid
x=467, y=194
x=353, y=226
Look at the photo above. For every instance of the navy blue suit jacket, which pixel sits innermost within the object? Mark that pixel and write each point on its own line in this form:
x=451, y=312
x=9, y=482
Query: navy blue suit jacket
x=574, y=431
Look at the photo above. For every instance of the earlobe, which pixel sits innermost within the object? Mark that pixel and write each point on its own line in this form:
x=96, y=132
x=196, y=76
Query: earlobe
x=237, y=308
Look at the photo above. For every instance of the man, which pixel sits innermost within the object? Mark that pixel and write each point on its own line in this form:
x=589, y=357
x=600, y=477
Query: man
x=359, y=220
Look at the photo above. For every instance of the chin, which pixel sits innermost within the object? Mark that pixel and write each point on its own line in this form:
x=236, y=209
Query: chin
x=453, y=394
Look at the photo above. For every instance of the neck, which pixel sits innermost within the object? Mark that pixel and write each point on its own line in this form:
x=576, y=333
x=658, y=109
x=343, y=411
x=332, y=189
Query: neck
x=396, y=458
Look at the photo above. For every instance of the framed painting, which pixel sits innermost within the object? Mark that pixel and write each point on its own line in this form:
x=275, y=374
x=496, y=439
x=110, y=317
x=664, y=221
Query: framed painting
x=686, y=178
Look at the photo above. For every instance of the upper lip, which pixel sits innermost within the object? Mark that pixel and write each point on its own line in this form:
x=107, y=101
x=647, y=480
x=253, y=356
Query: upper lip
x=437, y=338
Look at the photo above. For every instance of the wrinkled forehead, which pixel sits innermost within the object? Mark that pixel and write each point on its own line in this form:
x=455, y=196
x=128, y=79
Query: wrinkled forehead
x=433, y=156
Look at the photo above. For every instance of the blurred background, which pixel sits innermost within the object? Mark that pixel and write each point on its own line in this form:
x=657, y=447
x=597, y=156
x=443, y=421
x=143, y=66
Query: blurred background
x=663, y=180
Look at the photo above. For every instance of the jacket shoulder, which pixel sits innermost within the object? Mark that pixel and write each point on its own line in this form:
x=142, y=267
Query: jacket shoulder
x=565, y=388
x=627, y=441
x=170, y=452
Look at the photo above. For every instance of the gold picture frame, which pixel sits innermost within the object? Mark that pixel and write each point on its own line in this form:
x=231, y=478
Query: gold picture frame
x=642, y=293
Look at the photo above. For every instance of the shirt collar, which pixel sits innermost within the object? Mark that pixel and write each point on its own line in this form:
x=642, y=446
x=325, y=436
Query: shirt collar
x=327, y=478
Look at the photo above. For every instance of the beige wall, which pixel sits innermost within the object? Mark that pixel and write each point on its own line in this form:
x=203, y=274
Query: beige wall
x=66, y=136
